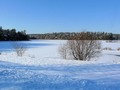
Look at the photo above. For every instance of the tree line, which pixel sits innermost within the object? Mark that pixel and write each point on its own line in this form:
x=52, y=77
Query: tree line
x=13, y=35
x=73, y=35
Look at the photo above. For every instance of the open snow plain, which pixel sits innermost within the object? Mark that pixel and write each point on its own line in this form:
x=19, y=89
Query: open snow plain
x=42, y=68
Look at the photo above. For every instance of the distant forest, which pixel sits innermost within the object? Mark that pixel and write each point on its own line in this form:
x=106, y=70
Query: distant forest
x=12, y=35
x=73, y=35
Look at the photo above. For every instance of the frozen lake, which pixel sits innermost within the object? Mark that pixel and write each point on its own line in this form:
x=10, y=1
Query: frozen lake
x=9, y=45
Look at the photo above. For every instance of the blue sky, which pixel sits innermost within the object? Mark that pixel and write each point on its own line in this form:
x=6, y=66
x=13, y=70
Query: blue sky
x=44, y=16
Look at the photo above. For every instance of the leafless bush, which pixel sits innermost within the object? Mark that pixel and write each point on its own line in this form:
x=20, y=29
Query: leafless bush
x=19, y=48
x=63, y=50
x=80, y=49
x=83, y=49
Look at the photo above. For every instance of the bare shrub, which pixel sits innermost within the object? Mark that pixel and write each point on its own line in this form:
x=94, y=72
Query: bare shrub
x=80, y=49
x=19, y=48
x=63, y=51
x=83, y=49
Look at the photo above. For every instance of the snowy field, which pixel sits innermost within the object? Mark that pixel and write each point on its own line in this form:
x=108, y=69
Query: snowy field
x=42, y=68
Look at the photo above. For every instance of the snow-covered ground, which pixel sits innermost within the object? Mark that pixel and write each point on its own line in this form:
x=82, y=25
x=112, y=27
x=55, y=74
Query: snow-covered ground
x=42, y=68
